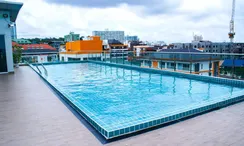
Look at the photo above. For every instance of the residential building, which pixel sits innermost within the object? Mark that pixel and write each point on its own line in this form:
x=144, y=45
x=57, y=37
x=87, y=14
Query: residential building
x=22, y=41
x=117, y=49
x=71, y=37
x=13, y=32
x=144, y=48
x=56, y=44
x=171, y=59
x=110, y=35
x=8, y=15
x=210, y=47
x=82, y=49
x=131, y=38
x=38, y=53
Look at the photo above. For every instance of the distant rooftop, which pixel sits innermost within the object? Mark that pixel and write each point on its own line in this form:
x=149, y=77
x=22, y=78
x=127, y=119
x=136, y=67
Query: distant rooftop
x=12, y=7
x=181, y=50
x=235, y=63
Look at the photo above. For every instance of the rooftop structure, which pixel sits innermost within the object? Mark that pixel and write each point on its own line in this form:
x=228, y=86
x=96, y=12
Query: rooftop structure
x=79, y=50
x=8, y=15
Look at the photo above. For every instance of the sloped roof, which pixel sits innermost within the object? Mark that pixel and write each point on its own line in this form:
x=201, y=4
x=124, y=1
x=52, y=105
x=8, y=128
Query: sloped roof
x=38, y=46
x=181, y=50
x=15, y=44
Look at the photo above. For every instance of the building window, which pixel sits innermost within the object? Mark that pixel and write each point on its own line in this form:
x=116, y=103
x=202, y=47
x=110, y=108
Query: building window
x=73, y=59
x=162, y=64
x=201, y=66
x=147, y=63
x=170, y=65
x=186, y=67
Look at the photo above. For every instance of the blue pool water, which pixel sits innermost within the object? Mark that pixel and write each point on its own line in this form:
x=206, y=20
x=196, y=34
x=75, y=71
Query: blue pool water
x=117, y=98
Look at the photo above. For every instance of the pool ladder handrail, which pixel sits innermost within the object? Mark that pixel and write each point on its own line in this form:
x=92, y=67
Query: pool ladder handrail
x=46, y=73
x=38, y=69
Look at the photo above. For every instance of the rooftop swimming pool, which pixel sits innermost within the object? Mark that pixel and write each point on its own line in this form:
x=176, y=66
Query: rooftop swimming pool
x=119, y=101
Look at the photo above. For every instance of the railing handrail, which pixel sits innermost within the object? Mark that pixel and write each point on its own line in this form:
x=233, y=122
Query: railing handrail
x=38, y=69
x=161, y=52
x=46, y=73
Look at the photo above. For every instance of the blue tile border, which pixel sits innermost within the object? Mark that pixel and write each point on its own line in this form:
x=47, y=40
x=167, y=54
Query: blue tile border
x=175, y=115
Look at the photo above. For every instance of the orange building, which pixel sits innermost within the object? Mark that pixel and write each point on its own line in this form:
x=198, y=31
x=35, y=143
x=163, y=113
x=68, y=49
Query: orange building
x=82, y=49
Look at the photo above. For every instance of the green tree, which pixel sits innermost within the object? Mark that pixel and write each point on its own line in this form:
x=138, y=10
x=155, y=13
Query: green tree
x=17, y=53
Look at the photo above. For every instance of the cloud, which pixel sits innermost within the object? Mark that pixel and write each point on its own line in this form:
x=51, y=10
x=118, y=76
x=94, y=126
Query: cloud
x=167, y=20
x=147, y=6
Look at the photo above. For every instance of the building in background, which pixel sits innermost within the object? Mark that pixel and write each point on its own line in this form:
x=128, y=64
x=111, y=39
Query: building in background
x=110, y=35
x=210, y=47
x=71, y=37
x=131, y=38
x=38, y=53
x=197, y=64
x=13, y=32
x=8, y=15
x=56, y=44
x=22, y=41
x=82, y=49
x=117, y=49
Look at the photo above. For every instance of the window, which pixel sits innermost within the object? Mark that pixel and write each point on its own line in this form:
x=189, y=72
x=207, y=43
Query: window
x=186, y=67
x=162, y=64
x=201, y=66
x=73, y=59
x=147, y=63
x=170, y=65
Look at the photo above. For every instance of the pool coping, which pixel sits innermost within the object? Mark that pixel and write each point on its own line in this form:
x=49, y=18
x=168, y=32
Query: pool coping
x=171, y=117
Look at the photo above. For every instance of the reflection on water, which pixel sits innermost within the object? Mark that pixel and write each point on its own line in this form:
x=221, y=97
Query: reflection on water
x=190, y=88
x=140, y=77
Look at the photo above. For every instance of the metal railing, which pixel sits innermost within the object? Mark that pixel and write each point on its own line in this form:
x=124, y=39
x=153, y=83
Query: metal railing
x=45, y=70
x=226, y=65
x=38, y=69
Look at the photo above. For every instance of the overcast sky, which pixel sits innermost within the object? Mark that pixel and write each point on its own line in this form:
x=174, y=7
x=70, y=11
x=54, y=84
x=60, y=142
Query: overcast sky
x=153, y=20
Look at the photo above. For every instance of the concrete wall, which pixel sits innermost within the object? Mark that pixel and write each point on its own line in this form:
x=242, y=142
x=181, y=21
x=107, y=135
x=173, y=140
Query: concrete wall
x=85, y=46
x=6, y=31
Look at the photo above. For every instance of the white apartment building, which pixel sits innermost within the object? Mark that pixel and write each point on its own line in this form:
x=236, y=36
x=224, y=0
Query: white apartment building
x=110, y=35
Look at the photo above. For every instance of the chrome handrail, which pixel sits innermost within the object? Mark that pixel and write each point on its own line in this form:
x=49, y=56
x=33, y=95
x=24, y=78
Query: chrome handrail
x=38, y=69
x=46, y=73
